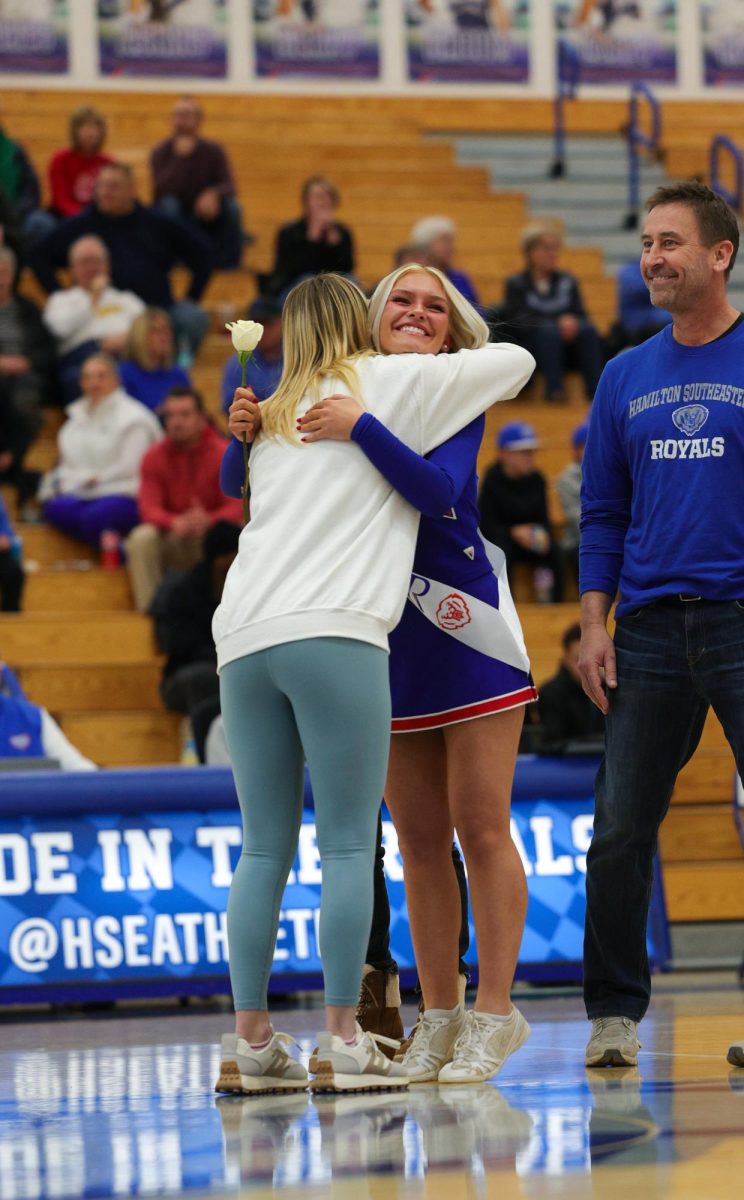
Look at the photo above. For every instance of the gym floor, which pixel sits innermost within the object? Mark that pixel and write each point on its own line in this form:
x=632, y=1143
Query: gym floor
x=102, y=1104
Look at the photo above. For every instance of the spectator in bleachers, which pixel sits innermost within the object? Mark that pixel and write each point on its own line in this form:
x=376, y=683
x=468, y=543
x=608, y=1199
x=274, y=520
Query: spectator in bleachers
x=101, y=445
x=638, y=320
x=143, y=246
x=513, y=506
x=149, y=370
x=435, y=239
x=568, y=486
x=183, y=611
x=267, y=362
x=11, y=572
x=315, y=244
x=566, y=712
x=180, y=497
x=545, y=312
x=73, y=170
x=192, y=182
x=28, y=731
x=19, y=187
x=27, y=363
x=89, y=316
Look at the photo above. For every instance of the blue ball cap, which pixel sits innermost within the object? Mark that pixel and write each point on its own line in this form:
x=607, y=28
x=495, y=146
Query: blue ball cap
x=517, y=435
x=579, y=435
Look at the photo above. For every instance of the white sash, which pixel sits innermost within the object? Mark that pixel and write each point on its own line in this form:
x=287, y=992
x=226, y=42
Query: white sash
x=484, y=628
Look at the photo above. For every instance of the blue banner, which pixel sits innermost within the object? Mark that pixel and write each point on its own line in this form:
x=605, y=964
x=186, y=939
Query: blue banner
x=124, y=887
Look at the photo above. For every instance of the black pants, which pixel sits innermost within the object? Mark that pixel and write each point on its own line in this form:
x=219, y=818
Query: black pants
x=378, y=950
x=11, y=583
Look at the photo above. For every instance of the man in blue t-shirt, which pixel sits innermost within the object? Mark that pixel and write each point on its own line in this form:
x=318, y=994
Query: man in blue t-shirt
x=662, y=523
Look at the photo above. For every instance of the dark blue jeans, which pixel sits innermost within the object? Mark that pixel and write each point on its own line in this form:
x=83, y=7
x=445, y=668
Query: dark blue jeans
x=675, y=659
x=554, y=356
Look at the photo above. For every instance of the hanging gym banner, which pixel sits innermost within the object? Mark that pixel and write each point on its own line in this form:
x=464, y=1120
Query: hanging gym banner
x=468, y=41
x=179, y=38
x=722, y=42
x=620, y=41
x=34, y=36
x=317, y=39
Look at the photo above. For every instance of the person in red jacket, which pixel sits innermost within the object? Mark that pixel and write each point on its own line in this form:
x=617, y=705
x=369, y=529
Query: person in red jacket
x=180, y=497
x=73, y=171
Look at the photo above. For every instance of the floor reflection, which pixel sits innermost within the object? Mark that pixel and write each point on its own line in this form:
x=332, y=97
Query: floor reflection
x=132, y=1113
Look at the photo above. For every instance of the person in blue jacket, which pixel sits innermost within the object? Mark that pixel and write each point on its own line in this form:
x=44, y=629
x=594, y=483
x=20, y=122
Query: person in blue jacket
x=661, y=524
x=459, y=680
x=28, y=731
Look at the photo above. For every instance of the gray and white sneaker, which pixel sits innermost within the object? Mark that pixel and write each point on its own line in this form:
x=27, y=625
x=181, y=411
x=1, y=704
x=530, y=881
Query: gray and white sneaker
x=736, y=1054
x=483, y=1047
x=246, y=1071
x=613, y=1043
x=358, y=1068
x=431, y=1047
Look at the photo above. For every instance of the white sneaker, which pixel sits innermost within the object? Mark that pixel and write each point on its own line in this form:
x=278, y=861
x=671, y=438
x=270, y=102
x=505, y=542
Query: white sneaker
x=736, y=1054
x=358, y=1068
x=255, y=1072
x=613, y=1043
x=432, y=1044
x=484, y=1046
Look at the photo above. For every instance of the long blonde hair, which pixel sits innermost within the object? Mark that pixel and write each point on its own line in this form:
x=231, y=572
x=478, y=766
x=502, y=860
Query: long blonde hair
x=467, y=329
x=325, y=331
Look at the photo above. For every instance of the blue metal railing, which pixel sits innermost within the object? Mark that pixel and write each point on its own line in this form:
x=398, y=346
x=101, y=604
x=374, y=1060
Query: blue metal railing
x=569, y=77
x=722, y=142
x=638, y=140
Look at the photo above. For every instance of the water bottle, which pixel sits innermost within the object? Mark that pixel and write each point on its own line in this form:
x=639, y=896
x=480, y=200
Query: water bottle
x=110, y=550
x=16, y=548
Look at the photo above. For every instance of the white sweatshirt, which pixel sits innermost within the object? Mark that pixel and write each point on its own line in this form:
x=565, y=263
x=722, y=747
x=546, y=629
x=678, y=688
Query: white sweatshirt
x=75, y=318
x=329, y=548
x=105, y=442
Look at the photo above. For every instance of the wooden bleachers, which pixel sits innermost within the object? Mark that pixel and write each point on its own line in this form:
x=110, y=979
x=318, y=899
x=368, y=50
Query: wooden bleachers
x=80, y=649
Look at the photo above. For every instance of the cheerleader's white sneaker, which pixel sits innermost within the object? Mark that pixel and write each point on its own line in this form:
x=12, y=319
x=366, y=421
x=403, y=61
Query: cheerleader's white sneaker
x=435, y=1034
x=483, y=1046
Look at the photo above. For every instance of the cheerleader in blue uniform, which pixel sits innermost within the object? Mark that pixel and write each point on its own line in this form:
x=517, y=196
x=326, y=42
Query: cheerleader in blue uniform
x=459, y=679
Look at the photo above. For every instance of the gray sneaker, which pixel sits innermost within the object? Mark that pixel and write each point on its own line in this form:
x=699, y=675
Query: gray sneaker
x=613, y=1043
x=736, y=1054
x=358, y=1068
x=250, y=1072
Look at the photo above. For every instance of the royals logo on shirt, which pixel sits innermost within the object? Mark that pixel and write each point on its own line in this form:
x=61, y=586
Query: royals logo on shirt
x=453, y=612
x=689, y=420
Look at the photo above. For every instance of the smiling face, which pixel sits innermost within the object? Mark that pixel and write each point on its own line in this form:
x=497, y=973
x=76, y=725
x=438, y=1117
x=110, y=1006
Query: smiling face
x=415, y=319
x=679, y=271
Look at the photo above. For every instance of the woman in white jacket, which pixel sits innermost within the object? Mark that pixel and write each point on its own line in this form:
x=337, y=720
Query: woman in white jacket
x=321, y=577
x=94, y=485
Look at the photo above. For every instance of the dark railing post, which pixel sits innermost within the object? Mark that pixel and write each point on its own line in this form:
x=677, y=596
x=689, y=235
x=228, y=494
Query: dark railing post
x=569, y=73
x=722, y=142
x=636, y=139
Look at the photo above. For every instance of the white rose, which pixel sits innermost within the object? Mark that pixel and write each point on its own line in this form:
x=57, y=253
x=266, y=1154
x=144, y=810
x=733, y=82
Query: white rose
x=245, y=335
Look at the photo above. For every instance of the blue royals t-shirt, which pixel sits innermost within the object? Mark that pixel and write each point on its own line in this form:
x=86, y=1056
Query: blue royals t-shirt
x=663, y=476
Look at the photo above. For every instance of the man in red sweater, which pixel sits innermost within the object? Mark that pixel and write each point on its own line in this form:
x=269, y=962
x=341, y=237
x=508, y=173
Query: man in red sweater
x=179, y=497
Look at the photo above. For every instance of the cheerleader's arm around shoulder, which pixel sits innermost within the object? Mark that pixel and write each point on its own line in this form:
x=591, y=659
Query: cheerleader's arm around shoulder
x=433, y=484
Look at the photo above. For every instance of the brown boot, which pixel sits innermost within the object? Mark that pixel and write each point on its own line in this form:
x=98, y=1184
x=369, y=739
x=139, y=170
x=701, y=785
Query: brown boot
x=378, y=1010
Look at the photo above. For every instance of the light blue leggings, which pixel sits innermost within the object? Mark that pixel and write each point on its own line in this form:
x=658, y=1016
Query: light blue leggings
x=326, y=700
